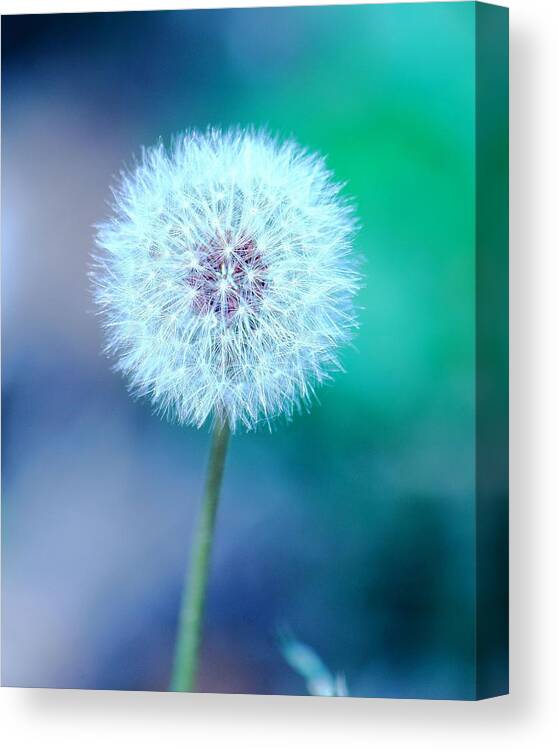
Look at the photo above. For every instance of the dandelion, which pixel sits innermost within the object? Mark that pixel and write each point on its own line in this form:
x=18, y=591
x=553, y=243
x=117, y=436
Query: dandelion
x=226, y=281
x=226, y=277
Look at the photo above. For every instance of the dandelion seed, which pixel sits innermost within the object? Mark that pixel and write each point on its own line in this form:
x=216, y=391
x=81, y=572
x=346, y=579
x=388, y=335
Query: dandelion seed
x=306, y=662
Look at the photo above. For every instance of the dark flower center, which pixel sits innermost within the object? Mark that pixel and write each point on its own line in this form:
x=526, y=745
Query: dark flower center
x=230, y=279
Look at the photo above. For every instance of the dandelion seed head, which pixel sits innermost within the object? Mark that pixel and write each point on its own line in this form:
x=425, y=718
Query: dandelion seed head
x=226, y=277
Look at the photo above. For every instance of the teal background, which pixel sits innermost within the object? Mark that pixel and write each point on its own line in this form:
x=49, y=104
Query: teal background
x=354, y=525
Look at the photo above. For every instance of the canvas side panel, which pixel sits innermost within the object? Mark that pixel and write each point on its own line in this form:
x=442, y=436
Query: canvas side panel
x=492, y=350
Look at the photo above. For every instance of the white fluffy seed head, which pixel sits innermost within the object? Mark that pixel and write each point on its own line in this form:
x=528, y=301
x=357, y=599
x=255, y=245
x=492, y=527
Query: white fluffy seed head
x=225, y=277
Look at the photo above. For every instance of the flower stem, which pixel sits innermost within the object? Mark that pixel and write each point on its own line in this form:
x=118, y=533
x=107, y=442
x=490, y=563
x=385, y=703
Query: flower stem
x=193, y=598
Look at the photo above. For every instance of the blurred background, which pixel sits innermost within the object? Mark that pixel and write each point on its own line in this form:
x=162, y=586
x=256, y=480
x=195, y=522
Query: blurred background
x=354, y=525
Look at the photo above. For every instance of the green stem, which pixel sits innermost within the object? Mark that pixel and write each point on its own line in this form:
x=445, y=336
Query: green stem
x=193, y=598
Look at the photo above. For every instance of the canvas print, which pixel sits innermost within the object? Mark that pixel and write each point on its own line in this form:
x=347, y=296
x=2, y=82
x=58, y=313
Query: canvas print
x=254, y=350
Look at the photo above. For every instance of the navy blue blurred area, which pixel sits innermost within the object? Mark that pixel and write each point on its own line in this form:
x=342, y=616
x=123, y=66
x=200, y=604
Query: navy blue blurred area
x=127, y=65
